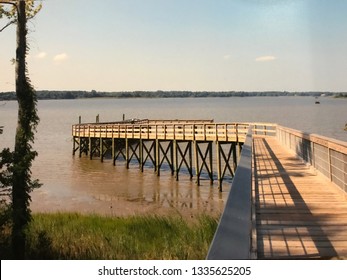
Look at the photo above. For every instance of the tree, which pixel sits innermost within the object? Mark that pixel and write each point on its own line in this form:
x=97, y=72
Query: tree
x=18, y=13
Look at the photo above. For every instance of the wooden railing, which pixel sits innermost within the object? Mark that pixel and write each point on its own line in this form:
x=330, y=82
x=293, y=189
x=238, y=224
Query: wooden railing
x=172, y=130
x=233, y=238
x=326, y=155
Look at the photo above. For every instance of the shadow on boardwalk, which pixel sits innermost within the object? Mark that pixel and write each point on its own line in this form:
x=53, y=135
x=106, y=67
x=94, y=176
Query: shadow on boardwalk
x=299, y=214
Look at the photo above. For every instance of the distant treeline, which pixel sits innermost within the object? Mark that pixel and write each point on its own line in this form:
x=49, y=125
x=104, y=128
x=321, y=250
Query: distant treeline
x=47, y=94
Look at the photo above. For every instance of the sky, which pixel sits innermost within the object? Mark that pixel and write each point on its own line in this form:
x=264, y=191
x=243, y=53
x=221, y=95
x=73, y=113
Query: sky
x=195, y=45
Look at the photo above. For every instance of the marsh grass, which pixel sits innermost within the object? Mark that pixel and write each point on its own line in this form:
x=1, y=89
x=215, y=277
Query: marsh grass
x=77, y=236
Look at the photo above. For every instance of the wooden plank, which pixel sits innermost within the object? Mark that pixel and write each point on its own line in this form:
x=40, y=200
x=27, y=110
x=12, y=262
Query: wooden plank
x=307, y=243
x=298, y=215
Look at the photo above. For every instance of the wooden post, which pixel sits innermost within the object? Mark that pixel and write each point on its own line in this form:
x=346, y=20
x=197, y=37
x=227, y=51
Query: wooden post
x=90, y=148
x=190, y=160
x=141, y=155
x=172, y=157
x=127, y=152
x=79, y=119
x=73, y=145
x=113, y=151
x=219, y=166
x=86, y=145
x=175, y=161
x=313, y=155
x=211, y=162
x=240, y=149
x=79, y=145
x=101, y=150
x=234, y=155
x=330, y=165
x=196, y=158
x=157, y=156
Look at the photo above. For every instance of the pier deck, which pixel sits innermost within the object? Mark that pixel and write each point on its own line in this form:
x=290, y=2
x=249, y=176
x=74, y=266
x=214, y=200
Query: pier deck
x=299, y=213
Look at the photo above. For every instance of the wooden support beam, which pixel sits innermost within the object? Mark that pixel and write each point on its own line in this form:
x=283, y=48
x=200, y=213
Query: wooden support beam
x=166, y=153
x=105, y=147
x=141, y=154
x=171, y=163
x=113, y=152
x=235, y=155
x=94, y=147
x=223, y=160
x=219, y=166
x=211, y=161
x=190, y=154
x=76, y=145
x=205, y=159
x=147, y=153
x=90, y=148
x=127, y=152
x=119, y=149
x=101, y=142
x=73, y=146
x=80, y=146
x=83, y=145
x=196, y=160
x=226, y=159
x=183, y=156
x=157, y=154
x=132, y=148
x=175, y=155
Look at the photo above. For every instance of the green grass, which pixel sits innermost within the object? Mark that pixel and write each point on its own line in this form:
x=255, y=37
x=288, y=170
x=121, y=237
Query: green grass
x=77, y=236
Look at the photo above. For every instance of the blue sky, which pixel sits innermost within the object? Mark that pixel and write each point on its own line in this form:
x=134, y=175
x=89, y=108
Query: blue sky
x=213, y=45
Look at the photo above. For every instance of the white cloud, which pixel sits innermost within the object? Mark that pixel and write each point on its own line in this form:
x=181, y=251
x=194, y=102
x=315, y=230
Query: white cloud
x=265, y=58
x=60, y=57
x=227, y=56
x=41, y=55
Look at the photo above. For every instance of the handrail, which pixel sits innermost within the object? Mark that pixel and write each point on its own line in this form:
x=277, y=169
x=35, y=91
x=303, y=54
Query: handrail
x=328, y=156
x=200, y=131
x=232, y=239
x=330, y=143
x=147, y=121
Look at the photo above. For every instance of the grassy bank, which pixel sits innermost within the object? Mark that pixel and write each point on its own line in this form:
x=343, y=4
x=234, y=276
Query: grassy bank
x=76, y=236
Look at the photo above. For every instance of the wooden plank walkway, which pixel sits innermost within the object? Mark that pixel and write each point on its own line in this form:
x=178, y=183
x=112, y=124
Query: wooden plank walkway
x=299, y=214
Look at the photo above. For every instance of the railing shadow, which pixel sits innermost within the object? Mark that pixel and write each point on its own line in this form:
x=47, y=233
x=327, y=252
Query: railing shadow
x=286, y=218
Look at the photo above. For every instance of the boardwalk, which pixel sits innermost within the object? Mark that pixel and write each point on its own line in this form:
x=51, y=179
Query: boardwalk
x=279, y=206
x=299, y=214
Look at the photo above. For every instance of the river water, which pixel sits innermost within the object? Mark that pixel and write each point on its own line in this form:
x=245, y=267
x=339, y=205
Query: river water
x=89, y=186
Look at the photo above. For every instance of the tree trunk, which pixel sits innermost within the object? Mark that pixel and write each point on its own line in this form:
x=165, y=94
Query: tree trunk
x=23, y=155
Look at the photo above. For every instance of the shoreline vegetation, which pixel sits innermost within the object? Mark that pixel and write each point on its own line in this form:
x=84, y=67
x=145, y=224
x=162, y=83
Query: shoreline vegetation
x=73, y=236
x=48, y=94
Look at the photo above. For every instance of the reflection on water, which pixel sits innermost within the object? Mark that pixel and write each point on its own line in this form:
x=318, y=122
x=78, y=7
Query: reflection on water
x=114, y=190
x=79, y=184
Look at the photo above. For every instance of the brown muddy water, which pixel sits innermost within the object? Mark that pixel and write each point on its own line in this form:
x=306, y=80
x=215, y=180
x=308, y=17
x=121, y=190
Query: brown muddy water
x=89, y=186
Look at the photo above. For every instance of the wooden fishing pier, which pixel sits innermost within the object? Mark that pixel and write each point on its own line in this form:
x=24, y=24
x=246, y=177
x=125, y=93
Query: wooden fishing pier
x=173, y=144
x=288, y=196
